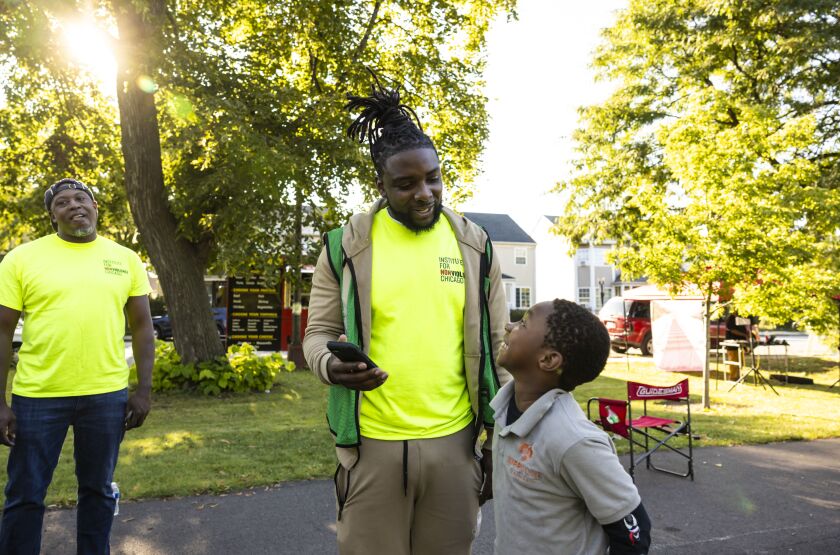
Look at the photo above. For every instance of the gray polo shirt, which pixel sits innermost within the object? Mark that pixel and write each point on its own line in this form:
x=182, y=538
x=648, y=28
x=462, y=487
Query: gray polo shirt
x=556, y=479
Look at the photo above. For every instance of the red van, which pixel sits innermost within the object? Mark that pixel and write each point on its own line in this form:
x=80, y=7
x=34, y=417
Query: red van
x=628, y=322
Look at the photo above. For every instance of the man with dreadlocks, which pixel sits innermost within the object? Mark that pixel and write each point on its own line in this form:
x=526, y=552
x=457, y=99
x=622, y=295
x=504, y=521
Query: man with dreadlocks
x=421, y=294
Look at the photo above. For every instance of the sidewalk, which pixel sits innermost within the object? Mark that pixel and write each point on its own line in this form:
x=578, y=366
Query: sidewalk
x=777, y=498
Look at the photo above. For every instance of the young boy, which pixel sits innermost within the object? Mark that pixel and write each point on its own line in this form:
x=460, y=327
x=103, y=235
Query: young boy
x=558, y=486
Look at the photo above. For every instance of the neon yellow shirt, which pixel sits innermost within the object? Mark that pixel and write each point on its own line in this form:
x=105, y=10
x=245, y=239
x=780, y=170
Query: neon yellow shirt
x=72, y=297
x=417, y=333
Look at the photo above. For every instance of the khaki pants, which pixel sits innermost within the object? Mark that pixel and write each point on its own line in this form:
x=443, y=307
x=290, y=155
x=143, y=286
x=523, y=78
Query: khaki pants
x=412, y=497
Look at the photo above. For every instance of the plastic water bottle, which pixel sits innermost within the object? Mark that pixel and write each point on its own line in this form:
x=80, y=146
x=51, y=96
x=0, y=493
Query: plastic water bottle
x=115, y=491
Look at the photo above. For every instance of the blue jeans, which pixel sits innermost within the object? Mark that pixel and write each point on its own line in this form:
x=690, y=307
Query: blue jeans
x=42, y=423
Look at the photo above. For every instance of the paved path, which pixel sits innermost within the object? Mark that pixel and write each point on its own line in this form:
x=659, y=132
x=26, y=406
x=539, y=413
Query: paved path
x=777, y=498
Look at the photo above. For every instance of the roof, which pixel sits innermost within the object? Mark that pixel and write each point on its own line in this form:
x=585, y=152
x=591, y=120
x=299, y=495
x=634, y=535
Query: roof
x=500, y=227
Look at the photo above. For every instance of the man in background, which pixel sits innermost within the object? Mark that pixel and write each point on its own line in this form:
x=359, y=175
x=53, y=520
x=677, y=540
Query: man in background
x=72, y=288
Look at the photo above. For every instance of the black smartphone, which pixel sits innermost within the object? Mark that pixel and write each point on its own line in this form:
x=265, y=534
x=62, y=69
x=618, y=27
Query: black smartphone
x=347, y=352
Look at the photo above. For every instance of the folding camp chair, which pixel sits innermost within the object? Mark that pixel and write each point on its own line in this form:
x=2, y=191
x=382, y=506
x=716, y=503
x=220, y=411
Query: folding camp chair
x=650, y=433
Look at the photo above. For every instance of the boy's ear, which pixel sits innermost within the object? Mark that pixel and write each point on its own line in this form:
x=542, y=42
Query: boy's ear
x=550, y=360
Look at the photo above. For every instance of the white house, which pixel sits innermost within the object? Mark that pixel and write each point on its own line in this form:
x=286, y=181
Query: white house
x=584, y=276
x=515, y=250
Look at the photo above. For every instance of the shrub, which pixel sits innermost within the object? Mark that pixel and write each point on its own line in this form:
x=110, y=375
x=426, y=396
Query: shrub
x=239, y=371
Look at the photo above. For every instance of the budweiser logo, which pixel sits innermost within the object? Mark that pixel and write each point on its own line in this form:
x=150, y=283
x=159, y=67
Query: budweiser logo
x=646, y=391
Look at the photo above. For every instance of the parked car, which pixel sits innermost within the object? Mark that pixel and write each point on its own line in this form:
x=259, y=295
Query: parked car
x=163, y=325
x=628, y=323
x=17, y=339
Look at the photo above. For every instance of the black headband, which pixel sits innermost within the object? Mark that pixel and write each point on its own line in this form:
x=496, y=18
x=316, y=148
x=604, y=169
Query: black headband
x=63, y=185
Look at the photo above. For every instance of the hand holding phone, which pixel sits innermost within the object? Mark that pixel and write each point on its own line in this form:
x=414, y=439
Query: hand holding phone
x=348, y=352
x=344, y=367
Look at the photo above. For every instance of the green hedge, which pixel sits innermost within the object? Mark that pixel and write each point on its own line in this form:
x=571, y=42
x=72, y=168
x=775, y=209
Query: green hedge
x=241, y=370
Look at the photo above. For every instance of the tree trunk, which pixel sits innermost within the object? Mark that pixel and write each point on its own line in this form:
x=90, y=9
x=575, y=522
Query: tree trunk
x=180, y=264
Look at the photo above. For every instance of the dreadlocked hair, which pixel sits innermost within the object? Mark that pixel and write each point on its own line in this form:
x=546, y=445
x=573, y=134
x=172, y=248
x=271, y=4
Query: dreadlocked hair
x=581, y=338
x=388, y=126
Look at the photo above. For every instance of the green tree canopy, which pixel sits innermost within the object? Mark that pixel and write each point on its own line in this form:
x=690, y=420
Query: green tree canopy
x=716, y=162
x=228, y=110
x=54, y=122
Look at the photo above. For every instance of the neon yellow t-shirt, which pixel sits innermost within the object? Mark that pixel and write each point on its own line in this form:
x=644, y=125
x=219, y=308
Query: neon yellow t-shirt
x=72, y=297
x=417, y=333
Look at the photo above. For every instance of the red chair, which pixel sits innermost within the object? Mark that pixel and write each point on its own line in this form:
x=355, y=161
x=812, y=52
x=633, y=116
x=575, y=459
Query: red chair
x=647, y=432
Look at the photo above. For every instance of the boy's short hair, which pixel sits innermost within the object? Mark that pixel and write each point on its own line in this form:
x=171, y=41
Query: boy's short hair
x=581, y=338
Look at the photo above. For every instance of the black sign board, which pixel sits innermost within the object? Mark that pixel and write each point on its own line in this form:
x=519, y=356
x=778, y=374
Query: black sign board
x=253, y=313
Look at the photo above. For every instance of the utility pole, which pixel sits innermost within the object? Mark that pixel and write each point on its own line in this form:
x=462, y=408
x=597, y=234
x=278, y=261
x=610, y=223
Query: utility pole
x=707, y=319
x=295, y=346
x=601, y=286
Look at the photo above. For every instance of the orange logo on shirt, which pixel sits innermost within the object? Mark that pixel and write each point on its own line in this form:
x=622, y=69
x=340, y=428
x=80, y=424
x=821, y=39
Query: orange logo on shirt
x=521, y=472
x=525, y=451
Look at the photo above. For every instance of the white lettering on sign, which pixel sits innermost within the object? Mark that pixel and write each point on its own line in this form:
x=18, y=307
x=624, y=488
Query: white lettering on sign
x=645, y=391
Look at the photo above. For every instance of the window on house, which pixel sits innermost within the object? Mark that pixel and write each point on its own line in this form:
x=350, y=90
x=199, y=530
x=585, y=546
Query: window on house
x=520, y=256
x=523, y=297
x=583, y=296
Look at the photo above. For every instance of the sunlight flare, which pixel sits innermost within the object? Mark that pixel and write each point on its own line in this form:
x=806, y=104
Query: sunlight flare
x=90, y=47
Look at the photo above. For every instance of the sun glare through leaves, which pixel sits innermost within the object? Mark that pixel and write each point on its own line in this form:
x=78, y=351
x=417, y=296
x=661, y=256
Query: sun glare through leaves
x=90, y=47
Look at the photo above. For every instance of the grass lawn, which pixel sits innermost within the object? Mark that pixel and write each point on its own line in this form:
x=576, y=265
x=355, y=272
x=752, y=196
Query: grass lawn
x=193, y=444
x=747, y=414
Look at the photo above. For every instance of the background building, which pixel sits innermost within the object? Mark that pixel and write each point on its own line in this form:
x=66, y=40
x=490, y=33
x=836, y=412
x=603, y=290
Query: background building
x=516, y=251
x=584, y=276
